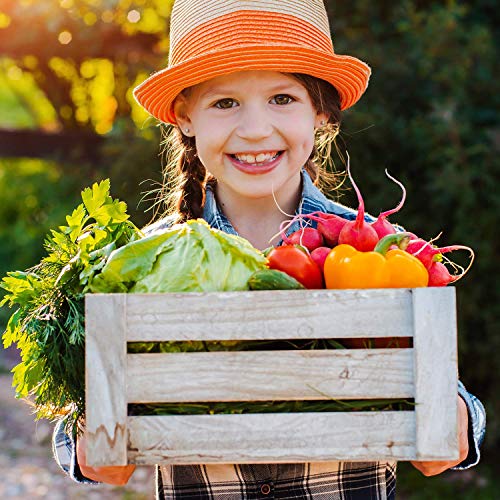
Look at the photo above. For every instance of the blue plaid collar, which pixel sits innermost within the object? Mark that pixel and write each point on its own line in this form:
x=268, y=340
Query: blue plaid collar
x=312, y=200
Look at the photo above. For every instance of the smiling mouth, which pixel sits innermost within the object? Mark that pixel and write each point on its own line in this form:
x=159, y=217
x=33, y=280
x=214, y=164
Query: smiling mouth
x=257, y=160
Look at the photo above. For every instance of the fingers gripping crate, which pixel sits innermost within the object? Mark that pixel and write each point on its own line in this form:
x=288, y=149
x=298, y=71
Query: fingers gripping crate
x=426, y=372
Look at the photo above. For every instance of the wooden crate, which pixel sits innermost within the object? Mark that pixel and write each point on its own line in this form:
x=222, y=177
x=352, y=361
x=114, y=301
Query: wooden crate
x=427, y=372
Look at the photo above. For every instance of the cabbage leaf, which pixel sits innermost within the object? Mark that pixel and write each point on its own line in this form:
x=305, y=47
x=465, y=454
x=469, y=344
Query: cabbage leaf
x=188, y=257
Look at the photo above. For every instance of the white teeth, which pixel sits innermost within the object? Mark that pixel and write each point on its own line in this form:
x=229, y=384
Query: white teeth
x=249, y=158
x=260, y=158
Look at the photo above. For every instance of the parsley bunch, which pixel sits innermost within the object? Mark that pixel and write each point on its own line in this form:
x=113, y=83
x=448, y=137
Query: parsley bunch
x=48, y=324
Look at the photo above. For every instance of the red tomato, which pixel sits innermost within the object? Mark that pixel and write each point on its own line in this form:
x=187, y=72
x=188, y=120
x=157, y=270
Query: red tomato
x=296, y=263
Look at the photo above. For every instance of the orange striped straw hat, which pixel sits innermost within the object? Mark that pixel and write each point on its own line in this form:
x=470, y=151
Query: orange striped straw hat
x=210, y=38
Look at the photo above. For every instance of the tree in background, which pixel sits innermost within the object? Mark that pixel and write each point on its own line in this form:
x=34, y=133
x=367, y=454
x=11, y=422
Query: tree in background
x=430, y=116
x=67, y=114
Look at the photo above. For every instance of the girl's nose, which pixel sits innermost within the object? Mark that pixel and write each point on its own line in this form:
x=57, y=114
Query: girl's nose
x=254, y=124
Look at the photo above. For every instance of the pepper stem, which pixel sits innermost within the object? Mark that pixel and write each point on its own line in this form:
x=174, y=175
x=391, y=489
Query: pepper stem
x=399, y=239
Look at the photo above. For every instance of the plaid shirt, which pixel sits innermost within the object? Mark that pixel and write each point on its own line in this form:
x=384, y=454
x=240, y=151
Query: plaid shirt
x=322, y=481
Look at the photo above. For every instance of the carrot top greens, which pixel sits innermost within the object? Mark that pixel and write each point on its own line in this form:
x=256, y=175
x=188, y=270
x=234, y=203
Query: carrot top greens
x=48, y=324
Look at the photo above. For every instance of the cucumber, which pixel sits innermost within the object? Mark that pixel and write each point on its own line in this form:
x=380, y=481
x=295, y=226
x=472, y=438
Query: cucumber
x=272, y=279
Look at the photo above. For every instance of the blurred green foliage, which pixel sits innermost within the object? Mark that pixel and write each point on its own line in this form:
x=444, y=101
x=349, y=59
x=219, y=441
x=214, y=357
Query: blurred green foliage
x=430, y=116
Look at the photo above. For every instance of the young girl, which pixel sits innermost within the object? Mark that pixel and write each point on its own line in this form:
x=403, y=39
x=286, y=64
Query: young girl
x=250, y=86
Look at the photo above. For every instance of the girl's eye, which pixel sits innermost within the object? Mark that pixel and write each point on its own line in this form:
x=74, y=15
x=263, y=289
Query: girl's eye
x=225, y=103
x=282, y=99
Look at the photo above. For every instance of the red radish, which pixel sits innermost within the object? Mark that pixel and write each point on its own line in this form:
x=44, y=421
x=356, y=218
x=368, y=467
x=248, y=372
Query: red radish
x=427, y=253
x=330, y=225
x=432, y=256
x=319, y=255
x=439, y=275
x=358, y=233
x=382, y=225
x=307, y=237
x=423, y=250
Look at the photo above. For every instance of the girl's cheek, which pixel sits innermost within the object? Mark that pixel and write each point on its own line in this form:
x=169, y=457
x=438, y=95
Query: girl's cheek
x=306, y=138
x=301, y=127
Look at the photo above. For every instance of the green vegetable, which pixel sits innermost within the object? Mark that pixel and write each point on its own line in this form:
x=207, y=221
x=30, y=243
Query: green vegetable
x=189, y=257
x=248, y=407
x=272, y=279
x=48, y=324
x=101, y=250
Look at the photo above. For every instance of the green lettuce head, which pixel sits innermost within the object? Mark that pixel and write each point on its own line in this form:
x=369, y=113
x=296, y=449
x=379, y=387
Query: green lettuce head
x=189, y=257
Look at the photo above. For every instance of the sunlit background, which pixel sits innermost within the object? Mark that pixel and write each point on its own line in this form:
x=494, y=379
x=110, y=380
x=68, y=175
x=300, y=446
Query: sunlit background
x=430, y=116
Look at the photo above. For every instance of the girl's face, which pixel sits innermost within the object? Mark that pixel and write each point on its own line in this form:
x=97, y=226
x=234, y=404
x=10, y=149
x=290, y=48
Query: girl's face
x=254, y=131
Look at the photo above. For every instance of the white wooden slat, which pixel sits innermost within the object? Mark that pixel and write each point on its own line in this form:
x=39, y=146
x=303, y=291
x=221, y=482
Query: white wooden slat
x=268, y=438
x=282, y=314
x=270, y=375
x=436, y=384
x=429, y=433
x=106, y=356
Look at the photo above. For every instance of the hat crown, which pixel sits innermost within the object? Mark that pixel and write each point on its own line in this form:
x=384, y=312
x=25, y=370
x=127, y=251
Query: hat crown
x=189, y=15
x=211, y=38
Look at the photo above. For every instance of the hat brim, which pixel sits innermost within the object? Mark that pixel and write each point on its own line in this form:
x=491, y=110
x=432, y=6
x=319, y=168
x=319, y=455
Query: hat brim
x=347, y=74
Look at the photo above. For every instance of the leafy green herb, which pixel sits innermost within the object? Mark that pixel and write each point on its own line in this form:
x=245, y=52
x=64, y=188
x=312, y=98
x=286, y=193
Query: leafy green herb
x=232, y=345
x=247, y=407
x=48, y=324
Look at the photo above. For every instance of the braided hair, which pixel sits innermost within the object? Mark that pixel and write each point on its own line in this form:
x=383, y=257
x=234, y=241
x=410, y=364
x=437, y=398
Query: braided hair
x=185, y=178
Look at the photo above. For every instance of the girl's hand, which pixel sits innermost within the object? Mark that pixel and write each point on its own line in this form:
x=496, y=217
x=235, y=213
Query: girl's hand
x=434, y=468
x=117, y=475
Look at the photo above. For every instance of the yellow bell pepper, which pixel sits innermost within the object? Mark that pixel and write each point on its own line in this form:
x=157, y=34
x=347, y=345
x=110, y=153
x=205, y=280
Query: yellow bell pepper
x=346, y=267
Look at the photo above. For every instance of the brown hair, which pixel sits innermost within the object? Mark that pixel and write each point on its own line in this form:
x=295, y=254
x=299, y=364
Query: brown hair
x=185, y=177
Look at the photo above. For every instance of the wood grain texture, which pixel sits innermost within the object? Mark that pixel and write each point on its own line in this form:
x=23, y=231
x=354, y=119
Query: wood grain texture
x=436, y=377
x=283, y=314
x=115, y=378
x=291, y=437
x=270, y=375
x=106, y=357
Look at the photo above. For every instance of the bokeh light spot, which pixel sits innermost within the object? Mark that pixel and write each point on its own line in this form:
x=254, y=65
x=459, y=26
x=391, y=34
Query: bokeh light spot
x=103, y=128
x=82, y=115
x=66, y=4
x=14, y=73
x=107, y=16
x=90, y=18
x=4, y=20
x=30, y=61
x=134, y=16
x=65, y=37
x=87, y=69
